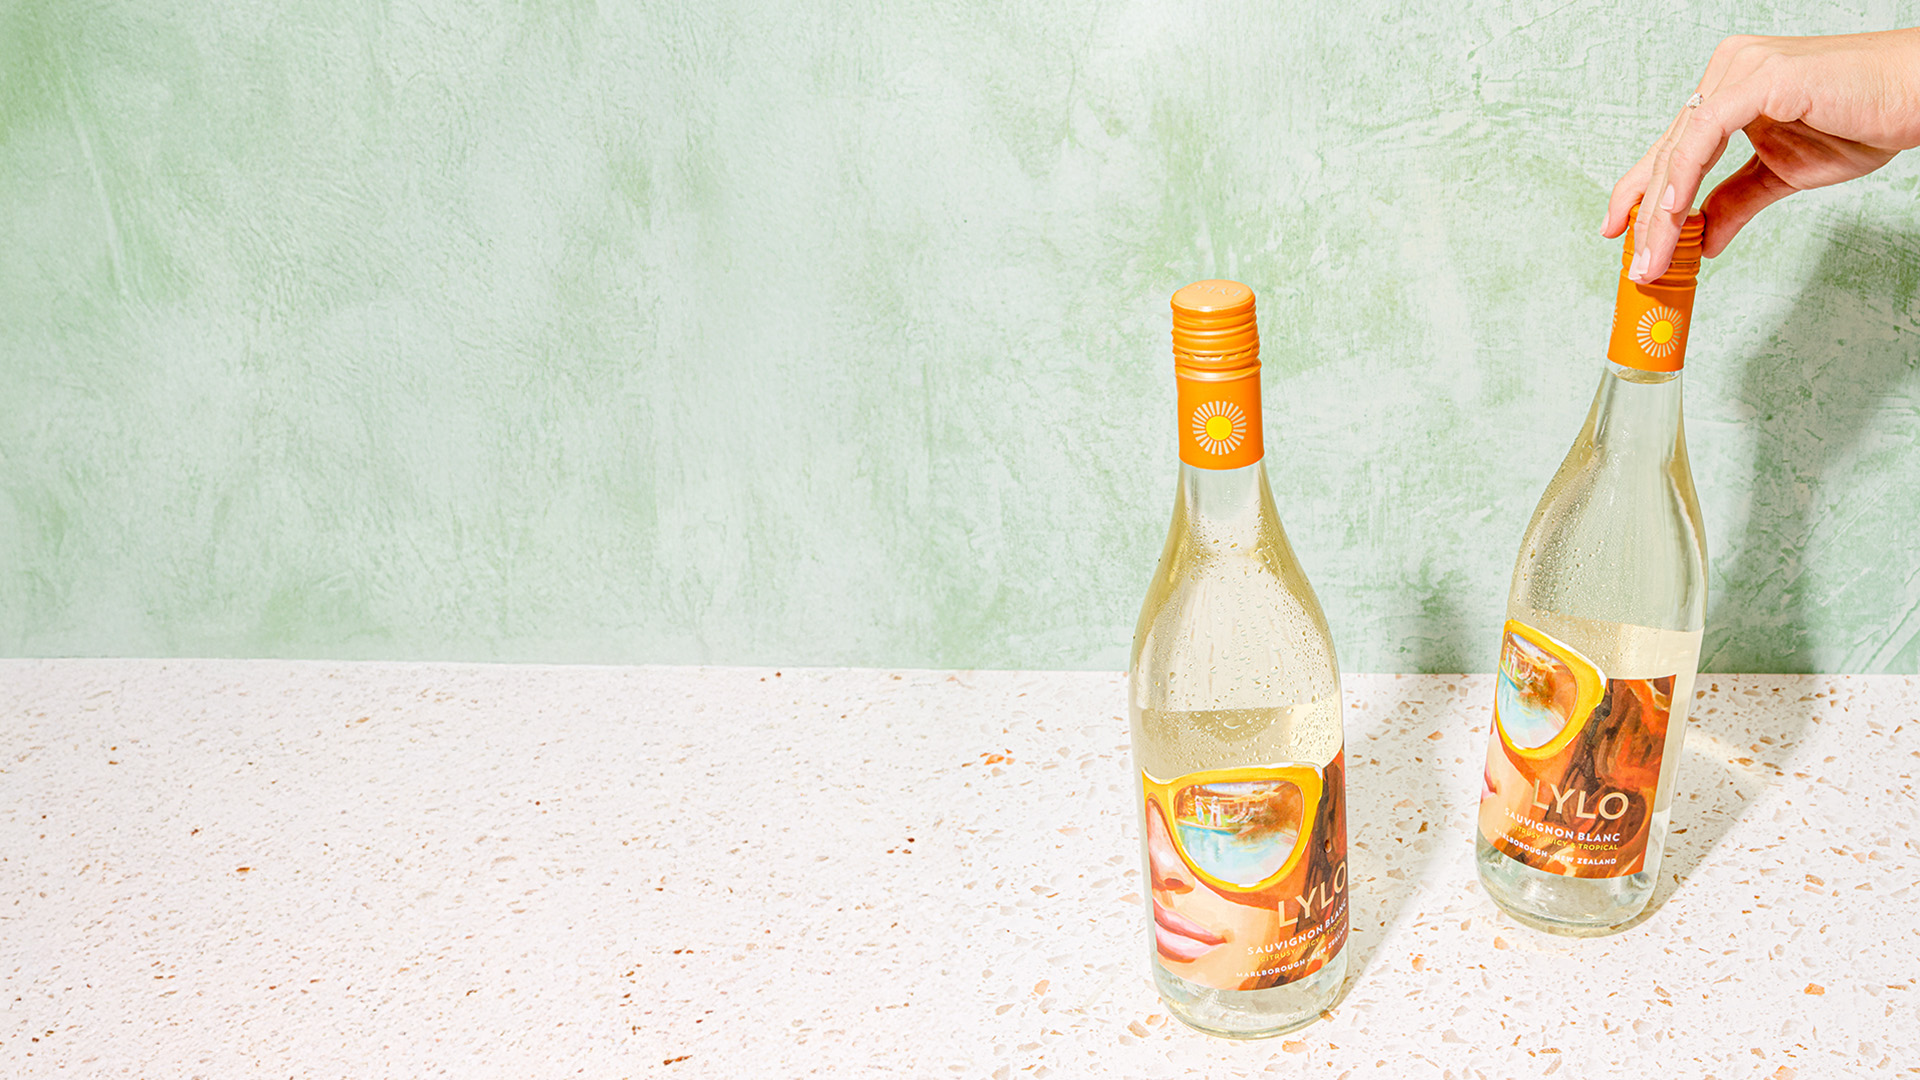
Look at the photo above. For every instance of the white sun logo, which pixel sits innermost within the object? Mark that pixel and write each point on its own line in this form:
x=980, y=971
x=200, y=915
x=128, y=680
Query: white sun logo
x=1659, y=332
x=1219, y=427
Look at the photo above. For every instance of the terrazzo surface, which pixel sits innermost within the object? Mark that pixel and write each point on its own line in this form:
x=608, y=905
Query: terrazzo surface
x=242, y=868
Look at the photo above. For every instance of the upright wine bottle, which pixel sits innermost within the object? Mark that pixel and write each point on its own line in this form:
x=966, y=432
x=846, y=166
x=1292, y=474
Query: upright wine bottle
x=1602, y=638
x=1234, y=698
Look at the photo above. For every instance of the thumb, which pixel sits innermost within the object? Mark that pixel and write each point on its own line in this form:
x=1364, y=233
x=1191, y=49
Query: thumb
x=1752, y=188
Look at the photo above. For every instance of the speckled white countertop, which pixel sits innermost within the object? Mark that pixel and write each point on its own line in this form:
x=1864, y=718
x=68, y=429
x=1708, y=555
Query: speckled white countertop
x=225, y=868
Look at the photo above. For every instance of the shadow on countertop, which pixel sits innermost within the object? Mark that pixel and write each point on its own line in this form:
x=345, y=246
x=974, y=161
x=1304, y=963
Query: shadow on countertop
x=1847, y=346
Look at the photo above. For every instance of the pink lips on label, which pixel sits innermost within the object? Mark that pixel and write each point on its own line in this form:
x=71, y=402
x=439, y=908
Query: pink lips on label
x=1180, y=938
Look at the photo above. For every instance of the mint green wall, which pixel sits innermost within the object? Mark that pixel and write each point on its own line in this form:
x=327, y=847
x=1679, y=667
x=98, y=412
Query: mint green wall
x=836, y=333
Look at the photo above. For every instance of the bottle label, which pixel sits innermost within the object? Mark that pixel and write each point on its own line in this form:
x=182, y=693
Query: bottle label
x=1220, y=419
x=1573, y=762
x=1249, y=872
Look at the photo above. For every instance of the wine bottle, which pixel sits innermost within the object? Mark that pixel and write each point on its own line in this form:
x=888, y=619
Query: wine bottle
x=1602, y=639
x=1234, y=698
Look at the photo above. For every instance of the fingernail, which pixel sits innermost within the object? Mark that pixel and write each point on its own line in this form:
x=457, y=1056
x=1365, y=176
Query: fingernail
x=1639, y=267
x=1666, y=201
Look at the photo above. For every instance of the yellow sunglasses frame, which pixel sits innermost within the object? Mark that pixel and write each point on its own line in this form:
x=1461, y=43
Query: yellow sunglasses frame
x=1590, y=685
x=1305, y=778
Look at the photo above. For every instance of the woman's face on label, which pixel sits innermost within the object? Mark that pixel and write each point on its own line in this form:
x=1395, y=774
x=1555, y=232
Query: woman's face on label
x=1200, y=934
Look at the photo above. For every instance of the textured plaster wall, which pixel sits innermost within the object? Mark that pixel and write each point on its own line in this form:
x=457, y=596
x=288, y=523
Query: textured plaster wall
x=799, y=332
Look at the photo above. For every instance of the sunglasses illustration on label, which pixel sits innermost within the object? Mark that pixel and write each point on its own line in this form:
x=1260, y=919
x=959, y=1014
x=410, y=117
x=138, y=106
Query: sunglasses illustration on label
x=1249, y=873
x=1573, y=761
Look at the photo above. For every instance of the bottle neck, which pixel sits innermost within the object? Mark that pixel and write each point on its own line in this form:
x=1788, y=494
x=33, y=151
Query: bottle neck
x=1225, y=507
x=1223, y=478
x=1222, y=494
x=1636, y=414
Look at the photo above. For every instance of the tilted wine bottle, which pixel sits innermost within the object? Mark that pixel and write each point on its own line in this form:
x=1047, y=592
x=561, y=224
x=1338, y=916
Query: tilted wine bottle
x=1234, y=698
x=1602, y=639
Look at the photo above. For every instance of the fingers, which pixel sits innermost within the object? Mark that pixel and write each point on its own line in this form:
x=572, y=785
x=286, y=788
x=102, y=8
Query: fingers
x=1633, y=186
x=1734, y=54
x=1683, y=163
x=1752, y=188
x=1683, y=186
x=1731, y=108
x=1651, y=243
x=1625, y=193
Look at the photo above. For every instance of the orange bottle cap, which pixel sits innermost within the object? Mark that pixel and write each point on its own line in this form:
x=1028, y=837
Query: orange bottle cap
x=1214, y=328
x=1216, y=367
x=1684, y=271
x=1651, y=321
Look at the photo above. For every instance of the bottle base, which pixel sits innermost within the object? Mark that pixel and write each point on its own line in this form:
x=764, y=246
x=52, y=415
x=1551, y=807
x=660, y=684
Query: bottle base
x=1568, y=906
x=1251, y=1014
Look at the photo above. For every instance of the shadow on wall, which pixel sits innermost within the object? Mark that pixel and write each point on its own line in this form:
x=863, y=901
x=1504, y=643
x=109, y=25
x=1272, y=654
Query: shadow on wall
x=1844, y=350
x=1443, y=638
x=1846, y=347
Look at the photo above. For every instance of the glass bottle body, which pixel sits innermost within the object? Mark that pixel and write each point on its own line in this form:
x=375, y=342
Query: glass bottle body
x=1232, y=668
x=1614, y=565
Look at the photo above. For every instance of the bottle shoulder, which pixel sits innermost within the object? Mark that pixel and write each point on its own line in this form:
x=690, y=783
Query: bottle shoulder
x=1230, y=620
x=1231, y=632
x=1618, y=544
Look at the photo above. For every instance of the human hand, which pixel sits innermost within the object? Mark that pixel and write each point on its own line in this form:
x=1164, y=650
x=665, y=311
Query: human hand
x=1818, y=110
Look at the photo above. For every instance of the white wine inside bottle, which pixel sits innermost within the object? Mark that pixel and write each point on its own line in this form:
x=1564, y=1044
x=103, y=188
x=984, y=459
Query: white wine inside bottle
x=1234, y=698
x=1602, y=641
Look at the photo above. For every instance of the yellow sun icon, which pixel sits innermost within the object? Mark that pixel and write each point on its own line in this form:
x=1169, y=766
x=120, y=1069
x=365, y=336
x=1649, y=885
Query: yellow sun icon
x=1219, y=427
x=1659, y=332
